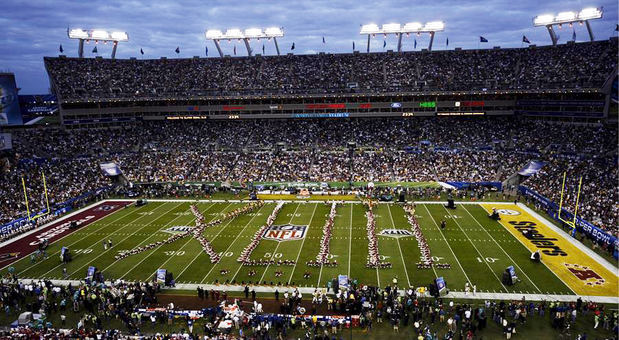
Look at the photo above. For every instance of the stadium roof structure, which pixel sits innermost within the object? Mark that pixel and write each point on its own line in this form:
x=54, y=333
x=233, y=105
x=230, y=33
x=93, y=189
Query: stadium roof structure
x=399, y=29
x=246, y=35
x=96, y=35
x=568, y=17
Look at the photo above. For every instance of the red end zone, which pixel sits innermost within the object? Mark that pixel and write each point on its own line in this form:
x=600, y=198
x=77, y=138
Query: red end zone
x=24, y=246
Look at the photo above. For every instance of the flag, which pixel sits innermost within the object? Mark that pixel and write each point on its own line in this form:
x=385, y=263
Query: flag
x=292, y=47
x=61, y=49
x=353, y=45
x=262, y=48
x=141, y=51
x=234, y=49
x=94, y=50
x=447, y=42
x=177, y=50
x=323, y=40
x=482, y=39
x=525, y=40
x=384, y=43
x=206, y=50
x=415, y=45
x=574, y=35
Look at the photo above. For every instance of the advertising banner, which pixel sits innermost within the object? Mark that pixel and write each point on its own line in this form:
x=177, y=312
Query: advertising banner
x=10, y=113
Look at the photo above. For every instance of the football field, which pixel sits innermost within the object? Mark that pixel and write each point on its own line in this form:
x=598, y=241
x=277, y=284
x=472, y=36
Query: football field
x=471, y=248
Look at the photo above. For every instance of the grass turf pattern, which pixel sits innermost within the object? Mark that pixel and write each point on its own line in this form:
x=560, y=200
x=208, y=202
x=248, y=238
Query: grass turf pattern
x=477, y=249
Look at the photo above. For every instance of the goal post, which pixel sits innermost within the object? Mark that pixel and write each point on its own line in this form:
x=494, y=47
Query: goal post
x=47, y=211
x=572, y=223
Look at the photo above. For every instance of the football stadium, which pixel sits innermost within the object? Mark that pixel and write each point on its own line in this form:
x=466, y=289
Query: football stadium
x=281, y=185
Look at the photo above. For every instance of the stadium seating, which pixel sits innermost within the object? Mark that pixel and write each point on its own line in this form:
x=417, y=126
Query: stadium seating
x=564, y=66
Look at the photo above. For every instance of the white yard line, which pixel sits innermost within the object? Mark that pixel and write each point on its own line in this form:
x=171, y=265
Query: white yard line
x=302, y=243
x=350, y=241
x=322, y=265
x=399, y=247
x=497, y=243
x=152, y=251
x=229, y=246
x=104, y=237
x=448, y=246
x=276, y=247
x=118, y=243
x=477, y=250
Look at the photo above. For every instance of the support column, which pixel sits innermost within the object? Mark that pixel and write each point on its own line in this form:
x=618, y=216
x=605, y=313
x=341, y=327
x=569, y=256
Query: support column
x=553, y=36
x=221, y=54
x=589, y=30
x=80, y=50
x=114, y=49
x=368, y=50
x=247, y=46
x=431, y=41
x=399, y=42
x=276, y=45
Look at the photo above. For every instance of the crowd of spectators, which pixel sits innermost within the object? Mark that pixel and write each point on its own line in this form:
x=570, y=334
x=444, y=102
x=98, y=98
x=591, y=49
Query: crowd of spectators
x=386, y=150
x=565, y=66
x=136, y=306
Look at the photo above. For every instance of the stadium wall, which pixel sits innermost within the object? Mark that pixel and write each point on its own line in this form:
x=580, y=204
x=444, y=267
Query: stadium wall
x=582, y=225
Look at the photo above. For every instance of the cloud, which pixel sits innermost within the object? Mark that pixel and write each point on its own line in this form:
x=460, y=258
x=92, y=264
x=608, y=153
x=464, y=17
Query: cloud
x=33, y=30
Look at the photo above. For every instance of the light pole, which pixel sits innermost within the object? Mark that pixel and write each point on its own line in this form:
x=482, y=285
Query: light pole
x=412, y=27
x=570, y=18
x=247, y=35
x=96, y=35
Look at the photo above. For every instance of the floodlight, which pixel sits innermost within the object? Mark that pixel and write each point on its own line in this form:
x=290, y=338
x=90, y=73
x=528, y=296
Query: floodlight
x=254, y=33
x=214, y=34
x=568, y=17
x=370, y=29
x=590, y=13
x=565, y=16
x=119, y=36
x=274, y=32
x=412, y=27
x=544, y=19
x=99, y=35
x=391, y=28
x=78, y=33
x=234, y=33
x=246, y=35
x=435, y=26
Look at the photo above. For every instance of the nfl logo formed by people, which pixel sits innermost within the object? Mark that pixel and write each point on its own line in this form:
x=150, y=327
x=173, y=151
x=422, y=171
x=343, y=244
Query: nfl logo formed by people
x=286, y=232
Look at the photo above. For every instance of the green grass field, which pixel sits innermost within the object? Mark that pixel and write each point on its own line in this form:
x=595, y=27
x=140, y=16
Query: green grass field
x=477, y=248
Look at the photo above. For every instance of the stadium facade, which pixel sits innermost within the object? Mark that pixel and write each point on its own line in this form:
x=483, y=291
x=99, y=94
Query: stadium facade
x=566, y=82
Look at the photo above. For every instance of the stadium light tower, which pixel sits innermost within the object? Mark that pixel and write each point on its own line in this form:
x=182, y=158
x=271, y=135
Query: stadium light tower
x=96, y=35
x=397, y=29
x=248, y=34
x=549, y=20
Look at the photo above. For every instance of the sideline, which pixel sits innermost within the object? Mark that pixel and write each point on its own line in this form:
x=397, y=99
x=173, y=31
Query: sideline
x=310, y=290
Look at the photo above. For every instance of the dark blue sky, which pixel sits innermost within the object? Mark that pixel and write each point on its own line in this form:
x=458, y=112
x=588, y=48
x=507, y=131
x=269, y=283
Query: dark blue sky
x=34, y=29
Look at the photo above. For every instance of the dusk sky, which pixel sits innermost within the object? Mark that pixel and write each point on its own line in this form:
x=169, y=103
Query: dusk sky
x=34, y=29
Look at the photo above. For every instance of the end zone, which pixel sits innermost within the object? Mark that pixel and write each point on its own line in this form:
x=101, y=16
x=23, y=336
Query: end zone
x=22, y=246
x=583, y=274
